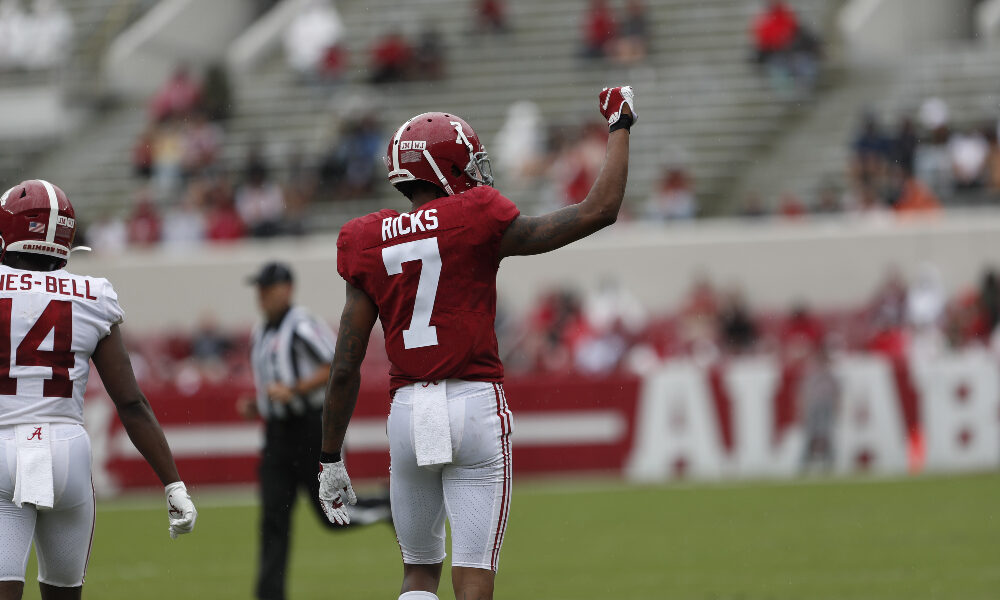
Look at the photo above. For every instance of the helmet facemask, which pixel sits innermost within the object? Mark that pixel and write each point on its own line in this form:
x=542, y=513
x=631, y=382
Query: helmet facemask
x=479, y=169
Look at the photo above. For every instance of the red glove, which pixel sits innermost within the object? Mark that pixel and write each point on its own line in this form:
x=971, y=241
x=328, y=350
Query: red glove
x=611, y=102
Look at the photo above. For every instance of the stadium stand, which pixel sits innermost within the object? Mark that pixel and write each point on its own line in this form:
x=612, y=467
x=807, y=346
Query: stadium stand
x=708, y=108
x=965, y=75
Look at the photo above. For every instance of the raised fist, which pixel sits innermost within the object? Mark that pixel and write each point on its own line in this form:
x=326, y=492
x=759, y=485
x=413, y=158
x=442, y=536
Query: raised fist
x=613, y=99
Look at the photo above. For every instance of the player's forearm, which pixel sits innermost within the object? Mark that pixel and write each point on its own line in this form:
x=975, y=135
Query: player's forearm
x=601, y=206
x=535, y=235
x=147, y=437
x=341, y=398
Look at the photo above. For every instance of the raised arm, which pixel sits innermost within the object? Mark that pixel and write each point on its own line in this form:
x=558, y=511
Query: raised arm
x=356, y=324
x=535, y=235
x=113, y=364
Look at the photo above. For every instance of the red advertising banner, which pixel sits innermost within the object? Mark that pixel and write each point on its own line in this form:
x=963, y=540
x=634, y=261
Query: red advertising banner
x=743, y=418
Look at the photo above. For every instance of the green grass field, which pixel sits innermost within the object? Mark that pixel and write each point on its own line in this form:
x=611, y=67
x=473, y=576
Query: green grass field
x=909, y=539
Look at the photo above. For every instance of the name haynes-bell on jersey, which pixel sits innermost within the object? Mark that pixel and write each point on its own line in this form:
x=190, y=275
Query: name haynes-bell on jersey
x=64, y=286
x=422, y=220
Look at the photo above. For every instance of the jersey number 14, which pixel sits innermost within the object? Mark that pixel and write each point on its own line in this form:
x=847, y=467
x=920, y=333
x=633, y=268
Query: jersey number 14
x=57, y=318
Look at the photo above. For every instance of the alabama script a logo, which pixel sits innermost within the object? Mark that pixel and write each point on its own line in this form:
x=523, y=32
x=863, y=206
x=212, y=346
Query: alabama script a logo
x=36, y=434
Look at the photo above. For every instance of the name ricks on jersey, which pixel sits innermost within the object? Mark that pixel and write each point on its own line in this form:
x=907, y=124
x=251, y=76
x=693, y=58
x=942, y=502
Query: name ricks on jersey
x=422, y=220
x=53, y=285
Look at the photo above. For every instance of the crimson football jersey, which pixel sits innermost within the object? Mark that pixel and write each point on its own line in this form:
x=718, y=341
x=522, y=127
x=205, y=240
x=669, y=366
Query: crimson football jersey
x=432, y=274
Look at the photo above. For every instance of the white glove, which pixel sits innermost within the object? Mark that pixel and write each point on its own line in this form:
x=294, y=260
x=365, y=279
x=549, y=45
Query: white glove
x=334, y=491
x=180, y=510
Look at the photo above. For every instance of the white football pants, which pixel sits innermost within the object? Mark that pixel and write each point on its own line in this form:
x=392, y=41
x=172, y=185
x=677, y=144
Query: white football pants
x=473, y=491
x=63, y=533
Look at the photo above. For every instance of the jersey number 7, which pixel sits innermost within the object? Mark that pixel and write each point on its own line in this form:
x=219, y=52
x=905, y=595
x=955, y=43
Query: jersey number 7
x=421, y=333
x=57, y=318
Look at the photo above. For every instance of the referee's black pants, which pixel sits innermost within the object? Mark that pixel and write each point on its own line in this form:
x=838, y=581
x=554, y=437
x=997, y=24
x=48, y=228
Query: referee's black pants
x=290, y=462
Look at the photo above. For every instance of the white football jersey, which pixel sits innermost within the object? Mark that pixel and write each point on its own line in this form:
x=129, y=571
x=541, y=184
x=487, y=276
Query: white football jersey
x=50, y=324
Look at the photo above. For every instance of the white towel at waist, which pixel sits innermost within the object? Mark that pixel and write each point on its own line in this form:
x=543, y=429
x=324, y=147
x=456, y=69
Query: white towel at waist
x=33, y=478
x=431, y=424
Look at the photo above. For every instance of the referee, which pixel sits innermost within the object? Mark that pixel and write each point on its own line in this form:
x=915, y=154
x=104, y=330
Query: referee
x=290, y=354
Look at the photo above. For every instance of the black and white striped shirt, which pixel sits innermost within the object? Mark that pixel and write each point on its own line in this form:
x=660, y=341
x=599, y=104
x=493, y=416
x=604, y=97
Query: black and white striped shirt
x=287, y=352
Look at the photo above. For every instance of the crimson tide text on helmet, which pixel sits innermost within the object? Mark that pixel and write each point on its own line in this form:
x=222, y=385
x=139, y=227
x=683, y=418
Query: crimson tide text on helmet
x=36, y=217
x=441, y=149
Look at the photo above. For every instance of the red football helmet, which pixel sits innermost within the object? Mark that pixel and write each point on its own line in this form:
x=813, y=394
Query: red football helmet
x=441, y=149
x=36, y=217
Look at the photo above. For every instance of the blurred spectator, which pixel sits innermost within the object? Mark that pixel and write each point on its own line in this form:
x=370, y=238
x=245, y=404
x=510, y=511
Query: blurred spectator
x=871, y=149
x=932, y=161
x=429, y=58
x=599, y=29
x=352, y=164
x=51, y=32
x=673, y=198
x=802, y=328
x=904, y=146
x=989, y=299
x=37, y=40
x=613, y=306
x=578, y=163
x=168, y=156
x=259, y=200
x=818, y=399
x=916, y=198
x=208, y=343
x=925, y=307
x=518, y=152
x=184, y=224
x=829, y=201
x=314, y=31
x=737, y=329
x=491, y=16
x=222, y=221
x=993, y=161
x=178, y=96
x=753, y=207
x=142, y=153
x=774, y=31
x=108, y=235
x=785, y=47
x=144, y=223
x=790, y=206
x=633, y=44
x=202, y=144
x=888, y=308
x=216, y=93
x=934, y=114
x=13, y=30
x=968, y=152
x=392, y=58
x=301, y=186
x=699, y=315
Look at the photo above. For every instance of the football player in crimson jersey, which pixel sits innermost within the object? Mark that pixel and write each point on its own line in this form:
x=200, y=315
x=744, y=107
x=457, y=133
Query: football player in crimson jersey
x=429, y=275
x=52, y=324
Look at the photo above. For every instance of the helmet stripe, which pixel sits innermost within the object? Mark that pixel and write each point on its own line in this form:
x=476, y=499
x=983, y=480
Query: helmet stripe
x=395, y=143
x=50, y=233
x=437, y=171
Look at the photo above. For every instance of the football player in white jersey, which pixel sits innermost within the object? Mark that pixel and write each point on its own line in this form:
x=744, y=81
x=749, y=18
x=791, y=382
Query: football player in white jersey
x=52, y=324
